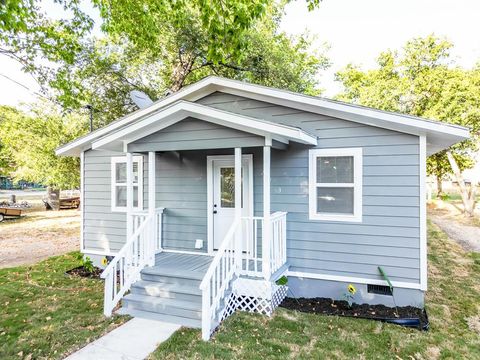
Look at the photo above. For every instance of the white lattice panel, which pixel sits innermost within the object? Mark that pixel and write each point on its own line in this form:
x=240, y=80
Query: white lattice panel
x=252, y=295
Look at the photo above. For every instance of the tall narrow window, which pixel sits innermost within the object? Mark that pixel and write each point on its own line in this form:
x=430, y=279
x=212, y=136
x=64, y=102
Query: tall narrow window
x=119, y=183
x=335, y=184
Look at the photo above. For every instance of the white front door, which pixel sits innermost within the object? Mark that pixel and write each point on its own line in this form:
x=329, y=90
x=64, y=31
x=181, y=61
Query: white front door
x=223, y=202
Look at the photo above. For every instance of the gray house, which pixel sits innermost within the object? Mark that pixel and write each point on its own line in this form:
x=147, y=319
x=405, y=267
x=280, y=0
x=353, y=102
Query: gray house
x=204, y=199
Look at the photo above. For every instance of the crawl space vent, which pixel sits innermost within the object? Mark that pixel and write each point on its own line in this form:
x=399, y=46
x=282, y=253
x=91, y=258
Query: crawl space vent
x=379, y=289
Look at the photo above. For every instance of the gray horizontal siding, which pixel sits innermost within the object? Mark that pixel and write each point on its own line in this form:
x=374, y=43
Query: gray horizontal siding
x=103, y=230
x=388, y=236
x=181, y=188
x=193, y=134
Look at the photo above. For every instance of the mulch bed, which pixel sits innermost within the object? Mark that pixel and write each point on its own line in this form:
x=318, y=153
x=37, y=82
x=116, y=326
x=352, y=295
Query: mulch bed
x=365, y=311
x=82, y=272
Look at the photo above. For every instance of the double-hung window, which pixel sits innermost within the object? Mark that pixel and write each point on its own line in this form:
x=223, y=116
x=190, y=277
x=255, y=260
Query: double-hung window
x=335, y=184
x=119, y=183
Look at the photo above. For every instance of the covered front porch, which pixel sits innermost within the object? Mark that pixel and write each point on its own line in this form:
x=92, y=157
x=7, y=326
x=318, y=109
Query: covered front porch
x=240, y=240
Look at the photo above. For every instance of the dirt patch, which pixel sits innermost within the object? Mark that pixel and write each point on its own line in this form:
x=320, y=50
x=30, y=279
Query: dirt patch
x=38, y=235
x=328, y=306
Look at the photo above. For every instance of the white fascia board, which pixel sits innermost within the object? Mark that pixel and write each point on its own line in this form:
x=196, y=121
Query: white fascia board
x=347, y=111
x=192, y=92
x=182, y=109
x=397, y=122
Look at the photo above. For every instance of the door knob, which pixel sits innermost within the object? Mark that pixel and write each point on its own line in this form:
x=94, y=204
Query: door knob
x=214, y=211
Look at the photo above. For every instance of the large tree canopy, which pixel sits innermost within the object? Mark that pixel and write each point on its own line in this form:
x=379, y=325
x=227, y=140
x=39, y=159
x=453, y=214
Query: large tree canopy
x=107, y=70
x=152, y=46
x=30, y=36
x=421, y=80
x=29, y=142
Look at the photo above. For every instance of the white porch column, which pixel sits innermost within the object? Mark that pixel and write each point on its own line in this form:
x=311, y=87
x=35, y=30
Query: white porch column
x=129, y=194
x=238, y=203
x=266, y=230
x=151, y=182
x=155, y=237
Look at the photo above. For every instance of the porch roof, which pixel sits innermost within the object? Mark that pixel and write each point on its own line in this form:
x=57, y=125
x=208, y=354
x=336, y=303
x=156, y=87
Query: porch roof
x=180, y=110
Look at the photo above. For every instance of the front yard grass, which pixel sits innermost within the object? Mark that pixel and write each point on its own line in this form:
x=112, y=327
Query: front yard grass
x=453, y=305
x=45, y=314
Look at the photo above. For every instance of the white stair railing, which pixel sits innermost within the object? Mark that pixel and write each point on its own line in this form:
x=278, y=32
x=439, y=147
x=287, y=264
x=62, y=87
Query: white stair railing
x=217, y=279
x=138, y=252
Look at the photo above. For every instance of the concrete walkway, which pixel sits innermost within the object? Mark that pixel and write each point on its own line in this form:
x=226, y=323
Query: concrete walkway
x=134, y=340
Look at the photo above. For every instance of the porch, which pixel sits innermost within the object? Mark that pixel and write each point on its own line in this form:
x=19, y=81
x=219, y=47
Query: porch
x=246, y=246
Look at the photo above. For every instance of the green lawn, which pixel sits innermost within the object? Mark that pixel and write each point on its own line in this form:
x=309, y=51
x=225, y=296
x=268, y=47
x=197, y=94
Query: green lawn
x=45, y=314
x=453, y=305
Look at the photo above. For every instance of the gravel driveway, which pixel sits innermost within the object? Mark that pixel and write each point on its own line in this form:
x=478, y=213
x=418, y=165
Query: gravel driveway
x=467, y=236
x=37, y=236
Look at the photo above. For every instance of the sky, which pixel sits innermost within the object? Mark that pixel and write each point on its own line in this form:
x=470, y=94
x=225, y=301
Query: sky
x=356, y=32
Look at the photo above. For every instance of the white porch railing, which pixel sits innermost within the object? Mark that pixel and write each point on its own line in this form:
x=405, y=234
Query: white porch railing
x=275, y=255
x=138, y=252
x=278, y=246
x=216, y=281
x=227, y=264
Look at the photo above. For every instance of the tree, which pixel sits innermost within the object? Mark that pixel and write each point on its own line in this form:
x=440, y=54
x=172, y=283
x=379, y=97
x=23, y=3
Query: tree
x=32, y=140
x=423, y=81
x=37, y=41
x=107, y=70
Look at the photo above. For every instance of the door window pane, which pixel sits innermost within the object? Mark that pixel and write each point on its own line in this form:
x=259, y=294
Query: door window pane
x=335, y=169
x=335, y=200
x=227, y=187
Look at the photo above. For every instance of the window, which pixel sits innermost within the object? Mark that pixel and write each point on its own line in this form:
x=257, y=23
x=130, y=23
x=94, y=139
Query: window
x=119, y=183
x=335, y=184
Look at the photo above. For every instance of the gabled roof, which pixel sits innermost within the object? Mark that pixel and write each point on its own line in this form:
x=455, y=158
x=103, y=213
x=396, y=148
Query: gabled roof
x=181, y=109
x=439, y=135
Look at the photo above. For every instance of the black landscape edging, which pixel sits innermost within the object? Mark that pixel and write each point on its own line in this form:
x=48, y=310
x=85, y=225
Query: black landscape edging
x=412, y=317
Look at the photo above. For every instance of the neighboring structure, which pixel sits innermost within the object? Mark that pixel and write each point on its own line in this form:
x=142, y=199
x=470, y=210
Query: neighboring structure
x=327, y=193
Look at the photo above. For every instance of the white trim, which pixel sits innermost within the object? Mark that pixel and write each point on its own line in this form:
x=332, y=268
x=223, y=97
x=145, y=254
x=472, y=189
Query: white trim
x=113, y=184
x=350, y=279
x=238, y=165
x=188, y=92
x=186, y=252
x=99, y=252
x=361, y=114
x=357, y=185
x=266, y=228
x=423, y=212
x=210, y=160
x=440, y=135
x=82, y=197
x=183, y=109
x=151, y=182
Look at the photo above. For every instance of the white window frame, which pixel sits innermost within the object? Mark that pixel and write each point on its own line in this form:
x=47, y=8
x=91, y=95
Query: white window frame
x=357, y=185
x=123, y=159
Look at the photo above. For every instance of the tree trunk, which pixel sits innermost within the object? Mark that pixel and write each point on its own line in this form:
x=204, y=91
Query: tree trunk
x=439, y=186
x=468, y=195
x=52, y=201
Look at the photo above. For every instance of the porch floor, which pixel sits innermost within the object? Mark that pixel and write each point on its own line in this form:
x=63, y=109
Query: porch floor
x=187, y=264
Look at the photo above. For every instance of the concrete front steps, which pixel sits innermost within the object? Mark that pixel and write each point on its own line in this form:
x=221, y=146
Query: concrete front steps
x=166, y=294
